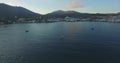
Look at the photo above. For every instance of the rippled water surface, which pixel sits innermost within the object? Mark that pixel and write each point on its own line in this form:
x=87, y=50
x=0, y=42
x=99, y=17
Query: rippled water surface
x=63, y=42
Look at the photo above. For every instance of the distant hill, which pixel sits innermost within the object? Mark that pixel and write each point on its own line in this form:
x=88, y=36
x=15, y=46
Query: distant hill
x=7, y=11
x=75, y=14
x=62, y=14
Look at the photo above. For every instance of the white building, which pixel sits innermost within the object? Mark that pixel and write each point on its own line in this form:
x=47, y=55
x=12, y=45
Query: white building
x=114, y=18
x=70, y=19
x=21, y=20
x=55, y=20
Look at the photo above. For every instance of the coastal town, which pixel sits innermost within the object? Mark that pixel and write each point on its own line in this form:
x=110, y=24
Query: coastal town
x=115, y=18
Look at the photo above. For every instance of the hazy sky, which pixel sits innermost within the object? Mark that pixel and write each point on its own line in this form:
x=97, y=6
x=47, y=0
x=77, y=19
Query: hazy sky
x=86, y=6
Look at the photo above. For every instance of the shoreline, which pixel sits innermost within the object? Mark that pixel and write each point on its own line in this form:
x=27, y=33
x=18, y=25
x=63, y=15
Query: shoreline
x=64, y=21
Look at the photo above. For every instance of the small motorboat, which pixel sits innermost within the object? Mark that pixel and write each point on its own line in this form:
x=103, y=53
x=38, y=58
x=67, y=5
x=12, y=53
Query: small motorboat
x=27, y=31
x=92, y=28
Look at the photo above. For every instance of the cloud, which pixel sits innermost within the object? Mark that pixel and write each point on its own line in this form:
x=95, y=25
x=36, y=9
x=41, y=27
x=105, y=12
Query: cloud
x=73, y=4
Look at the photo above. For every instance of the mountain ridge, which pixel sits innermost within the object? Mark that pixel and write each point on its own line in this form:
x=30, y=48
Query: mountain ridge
x=12, y=11
x=21, y=12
